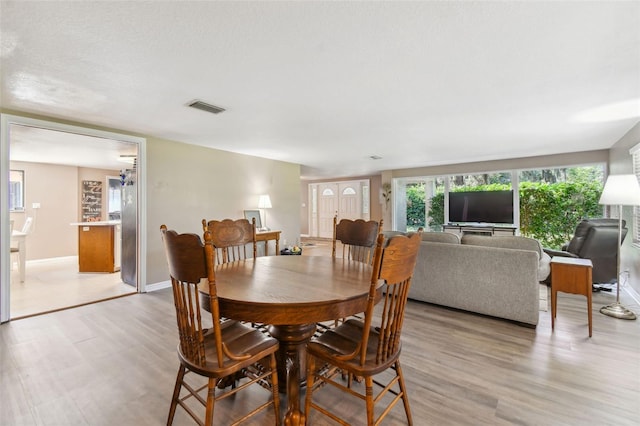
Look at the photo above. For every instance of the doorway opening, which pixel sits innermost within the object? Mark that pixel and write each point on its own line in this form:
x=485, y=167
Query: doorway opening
x=68, y=141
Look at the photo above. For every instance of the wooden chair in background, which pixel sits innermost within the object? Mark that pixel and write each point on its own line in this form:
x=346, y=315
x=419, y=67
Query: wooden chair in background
x=362, y=349
x=358, y=238
x=228, y=348
x=233, y=240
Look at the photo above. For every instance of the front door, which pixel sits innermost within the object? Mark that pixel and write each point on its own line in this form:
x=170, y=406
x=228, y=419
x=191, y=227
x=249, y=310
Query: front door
x=327, y=208
x=345, y=199
x=350, y=200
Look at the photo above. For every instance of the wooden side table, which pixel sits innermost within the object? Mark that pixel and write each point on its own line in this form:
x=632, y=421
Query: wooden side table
x=266, y=236
x=570, y=275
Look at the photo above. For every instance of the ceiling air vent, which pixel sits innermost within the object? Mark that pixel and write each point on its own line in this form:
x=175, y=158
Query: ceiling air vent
x=206, y=107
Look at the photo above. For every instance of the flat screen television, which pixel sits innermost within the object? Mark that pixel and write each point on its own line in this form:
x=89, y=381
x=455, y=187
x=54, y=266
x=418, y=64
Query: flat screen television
x=481, y=207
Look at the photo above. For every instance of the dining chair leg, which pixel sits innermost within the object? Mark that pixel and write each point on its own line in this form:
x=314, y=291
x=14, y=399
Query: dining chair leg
x=211, y=395
x=405, y=395
x=368, y=380
x=274, y=388
x=176, y=395
x=311, y=368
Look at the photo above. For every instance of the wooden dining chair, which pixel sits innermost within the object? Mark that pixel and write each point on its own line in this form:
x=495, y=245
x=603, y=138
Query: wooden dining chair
x=370, y=347
x=233, y=240
x=228, y=348
x=358, y=238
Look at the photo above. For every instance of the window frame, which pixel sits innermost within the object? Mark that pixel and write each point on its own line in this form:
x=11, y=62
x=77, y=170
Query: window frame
x=399, y=208
x=19, y=184
x=635, y=160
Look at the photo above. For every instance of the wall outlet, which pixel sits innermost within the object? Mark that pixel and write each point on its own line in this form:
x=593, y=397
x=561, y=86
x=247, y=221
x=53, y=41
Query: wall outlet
x=35, y=205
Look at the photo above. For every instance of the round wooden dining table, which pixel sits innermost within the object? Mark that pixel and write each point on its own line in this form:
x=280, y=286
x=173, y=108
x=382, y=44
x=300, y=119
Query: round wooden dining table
x=291, y=294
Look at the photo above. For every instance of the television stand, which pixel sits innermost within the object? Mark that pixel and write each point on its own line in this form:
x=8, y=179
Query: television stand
x=488, y=230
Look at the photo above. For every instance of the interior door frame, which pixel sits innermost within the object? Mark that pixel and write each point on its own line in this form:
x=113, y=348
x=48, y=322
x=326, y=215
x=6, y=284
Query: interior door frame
x=6, y=120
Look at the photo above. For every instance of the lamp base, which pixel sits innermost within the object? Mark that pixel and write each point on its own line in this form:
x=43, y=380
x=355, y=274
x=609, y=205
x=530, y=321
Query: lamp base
x=616, y=310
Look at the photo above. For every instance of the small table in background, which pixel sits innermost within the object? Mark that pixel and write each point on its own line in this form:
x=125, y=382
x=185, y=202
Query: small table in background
x=266, y=236
x=570, y=275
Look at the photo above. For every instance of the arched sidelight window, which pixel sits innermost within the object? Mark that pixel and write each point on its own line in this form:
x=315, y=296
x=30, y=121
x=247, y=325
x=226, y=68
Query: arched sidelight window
x=348, y=191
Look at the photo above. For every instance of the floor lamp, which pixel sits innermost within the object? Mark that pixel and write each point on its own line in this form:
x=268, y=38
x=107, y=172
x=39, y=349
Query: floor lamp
x=620, y=190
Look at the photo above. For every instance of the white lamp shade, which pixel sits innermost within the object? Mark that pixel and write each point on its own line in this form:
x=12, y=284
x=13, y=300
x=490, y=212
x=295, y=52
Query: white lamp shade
x=621, y=190
x=264, y=202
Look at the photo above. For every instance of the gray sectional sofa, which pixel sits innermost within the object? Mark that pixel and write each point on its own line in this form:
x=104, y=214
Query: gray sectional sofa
x=496, y=276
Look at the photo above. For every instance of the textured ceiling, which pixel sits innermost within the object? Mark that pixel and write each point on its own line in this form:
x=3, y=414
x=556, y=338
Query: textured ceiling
x=329, y=84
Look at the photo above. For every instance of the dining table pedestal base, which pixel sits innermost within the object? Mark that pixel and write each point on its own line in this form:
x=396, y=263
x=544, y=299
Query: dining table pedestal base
x=292, y=365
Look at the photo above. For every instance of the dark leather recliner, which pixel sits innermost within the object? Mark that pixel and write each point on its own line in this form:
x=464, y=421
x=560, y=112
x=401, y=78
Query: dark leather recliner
x=595, y=239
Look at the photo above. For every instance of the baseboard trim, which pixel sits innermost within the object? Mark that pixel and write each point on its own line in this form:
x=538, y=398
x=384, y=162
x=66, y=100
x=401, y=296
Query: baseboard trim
x=157, y=286
x=633, y=293
x=49, y=259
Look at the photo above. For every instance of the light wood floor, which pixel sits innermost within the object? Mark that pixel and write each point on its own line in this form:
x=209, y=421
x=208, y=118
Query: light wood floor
x=114, y=363
x=53, y=284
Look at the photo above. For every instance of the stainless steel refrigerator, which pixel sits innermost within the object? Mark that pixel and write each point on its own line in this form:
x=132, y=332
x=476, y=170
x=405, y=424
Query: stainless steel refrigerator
x=129, y=225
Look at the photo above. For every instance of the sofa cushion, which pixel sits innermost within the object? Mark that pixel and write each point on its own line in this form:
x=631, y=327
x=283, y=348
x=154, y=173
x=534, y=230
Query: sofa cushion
x=515, y=243
x=441, y=237
x=509, y=242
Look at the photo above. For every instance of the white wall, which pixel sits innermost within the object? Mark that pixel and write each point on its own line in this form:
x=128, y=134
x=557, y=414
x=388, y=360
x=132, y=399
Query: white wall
x=620, y=162
x=188, y=183
x=55, y=188
x=537, y=162
x=58, y=191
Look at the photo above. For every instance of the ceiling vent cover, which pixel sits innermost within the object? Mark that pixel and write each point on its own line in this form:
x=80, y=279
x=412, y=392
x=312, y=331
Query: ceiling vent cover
x=206, y=107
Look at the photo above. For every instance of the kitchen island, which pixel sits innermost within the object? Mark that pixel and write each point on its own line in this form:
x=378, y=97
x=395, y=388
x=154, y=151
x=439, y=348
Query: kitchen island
x=99, y=246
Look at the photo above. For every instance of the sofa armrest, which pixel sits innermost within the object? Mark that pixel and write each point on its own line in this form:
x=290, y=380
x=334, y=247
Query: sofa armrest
x=544, y=267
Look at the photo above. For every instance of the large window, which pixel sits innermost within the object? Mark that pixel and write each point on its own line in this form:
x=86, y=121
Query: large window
x=424, y=202
x=481, y=198
x=412, y=203
x=553, y=201
x=547, y=203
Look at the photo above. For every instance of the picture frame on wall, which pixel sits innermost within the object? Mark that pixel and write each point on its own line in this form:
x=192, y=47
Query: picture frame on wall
x=253, y=214
x=91, y=200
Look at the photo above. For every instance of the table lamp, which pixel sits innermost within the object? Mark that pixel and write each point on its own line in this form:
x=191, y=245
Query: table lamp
x=620, y=190
x=264, y=202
